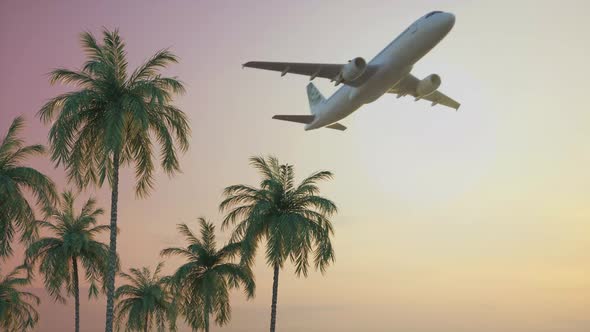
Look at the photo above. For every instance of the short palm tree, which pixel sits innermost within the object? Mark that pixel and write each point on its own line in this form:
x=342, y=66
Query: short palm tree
x=15, y=179
x=113, y=119
x=204, y=281
x=293, y=219
x=73, y=243
x=17, y=313
x=145, y=302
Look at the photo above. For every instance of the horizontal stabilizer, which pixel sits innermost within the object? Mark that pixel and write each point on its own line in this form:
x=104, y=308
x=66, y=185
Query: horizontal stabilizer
x=336, y=126
x=306, y=119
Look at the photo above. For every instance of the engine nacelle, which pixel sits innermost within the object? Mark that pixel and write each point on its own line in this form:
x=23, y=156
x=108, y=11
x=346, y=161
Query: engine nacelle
x=353, y=69
x=428, y=85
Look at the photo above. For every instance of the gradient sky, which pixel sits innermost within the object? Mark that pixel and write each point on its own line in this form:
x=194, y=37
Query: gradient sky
x=476, y=220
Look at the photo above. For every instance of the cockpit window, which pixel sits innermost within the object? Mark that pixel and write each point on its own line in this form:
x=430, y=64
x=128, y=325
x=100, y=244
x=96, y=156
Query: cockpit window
x=432, y=13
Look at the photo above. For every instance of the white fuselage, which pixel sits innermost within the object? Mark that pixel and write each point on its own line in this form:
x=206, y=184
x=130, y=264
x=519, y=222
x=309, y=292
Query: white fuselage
x=393, y=64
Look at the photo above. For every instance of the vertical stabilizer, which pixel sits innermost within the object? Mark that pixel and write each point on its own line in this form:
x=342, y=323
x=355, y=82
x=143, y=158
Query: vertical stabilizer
x=315, y=97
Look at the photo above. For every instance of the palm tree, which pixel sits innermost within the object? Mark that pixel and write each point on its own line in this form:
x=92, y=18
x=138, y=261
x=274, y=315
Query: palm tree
x=114, y=119
x=144, y=302
x=17, y=314
x=15, y=178
x=74, y=243
x=293, y=219
x=203, y=282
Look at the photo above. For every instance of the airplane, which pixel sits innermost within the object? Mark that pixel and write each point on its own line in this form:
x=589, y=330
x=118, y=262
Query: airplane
x=363, y=83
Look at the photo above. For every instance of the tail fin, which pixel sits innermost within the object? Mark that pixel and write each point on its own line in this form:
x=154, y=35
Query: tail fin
x=315, y=97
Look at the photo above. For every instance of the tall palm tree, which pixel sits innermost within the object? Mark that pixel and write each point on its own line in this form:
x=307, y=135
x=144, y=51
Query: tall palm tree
x=17, y=314
x=114, y=119
x=74, y=243
x=145, y=302
x=293, y=219
x=15, y=179
x=203, y=282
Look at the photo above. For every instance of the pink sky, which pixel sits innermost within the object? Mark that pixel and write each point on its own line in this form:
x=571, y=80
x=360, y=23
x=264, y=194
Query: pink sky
x=469, y=221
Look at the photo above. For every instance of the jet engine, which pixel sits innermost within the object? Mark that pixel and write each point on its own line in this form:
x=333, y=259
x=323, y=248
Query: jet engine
x=353, y=69
x=428, y=85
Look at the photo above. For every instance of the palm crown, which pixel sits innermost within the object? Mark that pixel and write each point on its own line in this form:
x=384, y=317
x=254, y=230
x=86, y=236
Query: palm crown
x=112, y=118
x=292, y=218
x=145, y=301
x=73, y=241
x=17, y=214
x=16, y=311
x=203, y=282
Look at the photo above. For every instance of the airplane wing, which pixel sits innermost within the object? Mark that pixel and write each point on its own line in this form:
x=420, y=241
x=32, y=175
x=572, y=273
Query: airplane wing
x=408, y=87
x=313, y=70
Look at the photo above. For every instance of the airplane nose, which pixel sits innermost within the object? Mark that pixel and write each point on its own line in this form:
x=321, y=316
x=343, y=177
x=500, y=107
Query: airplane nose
x=450, y=19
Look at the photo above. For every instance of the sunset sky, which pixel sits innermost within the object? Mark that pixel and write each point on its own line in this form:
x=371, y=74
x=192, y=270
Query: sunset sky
x=476, y=220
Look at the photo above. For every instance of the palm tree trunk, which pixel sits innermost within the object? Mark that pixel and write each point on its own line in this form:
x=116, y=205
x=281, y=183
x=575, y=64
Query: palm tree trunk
x=275, y=291
x=147, y=322
x=113, y=245
x=76, y=292
x=207, y=309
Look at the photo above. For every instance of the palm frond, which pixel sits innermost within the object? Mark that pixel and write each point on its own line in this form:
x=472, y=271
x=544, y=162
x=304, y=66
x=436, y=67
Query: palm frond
x=150, y=68
x=66, y=76
x=11, y=141
x=188, y=234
